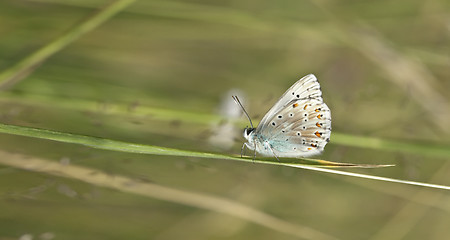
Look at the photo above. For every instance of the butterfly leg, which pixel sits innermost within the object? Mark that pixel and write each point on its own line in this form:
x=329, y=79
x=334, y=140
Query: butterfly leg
x=270, y=147
x=254, y=154
x=243, y=149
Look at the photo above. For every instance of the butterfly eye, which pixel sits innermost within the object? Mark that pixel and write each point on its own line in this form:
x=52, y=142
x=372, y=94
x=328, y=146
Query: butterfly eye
x=249, y=130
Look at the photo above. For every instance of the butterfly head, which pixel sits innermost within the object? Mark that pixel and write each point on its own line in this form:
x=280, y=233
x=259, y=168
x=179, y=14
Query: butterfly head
x=248, y=132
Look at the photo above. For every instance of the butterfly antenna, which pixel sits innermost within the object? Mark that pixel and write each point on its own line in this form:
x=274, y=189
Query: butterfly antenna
x=236, y=99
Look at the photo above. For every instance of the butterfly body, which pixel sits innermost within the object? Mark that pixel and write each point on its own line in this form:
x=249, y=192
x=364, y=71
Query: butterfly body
x=298, y=125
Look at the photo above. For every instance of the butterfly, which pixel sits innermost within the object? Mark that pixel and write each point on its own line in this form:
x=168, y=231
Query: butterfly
x=298, y=125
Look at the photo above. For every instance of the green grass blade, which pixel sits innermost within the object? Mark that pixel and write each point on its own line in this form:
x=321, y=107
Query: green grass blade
x=107, y=144
x=113, y=145
x=429, y=185
x=27, y=65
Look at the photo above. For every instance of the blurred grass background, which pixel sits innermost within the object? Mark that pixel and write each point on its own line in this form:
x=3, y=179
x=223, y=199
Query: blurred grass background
x=383, y=67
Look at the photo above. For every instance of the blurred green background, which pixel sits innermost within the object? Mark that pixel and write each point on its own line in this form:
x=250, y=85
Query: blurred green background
x=384, y=71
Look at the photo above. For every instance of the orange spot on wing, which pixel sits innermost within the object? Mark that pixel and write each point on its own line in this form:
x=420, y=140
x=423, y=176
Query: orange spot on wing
x=309, y=148
x=318, y=124
x=319, y=116
x=313, y=145
x=304, y=108
x=318, y=134
x=295, y=105
x=317, y=110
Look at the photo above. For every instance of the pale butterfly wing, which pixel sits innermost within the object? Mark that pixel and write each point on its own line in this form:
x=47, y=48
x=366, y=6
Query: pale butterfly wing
x=300, y=125
x=302, y=128
x=306, y=87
